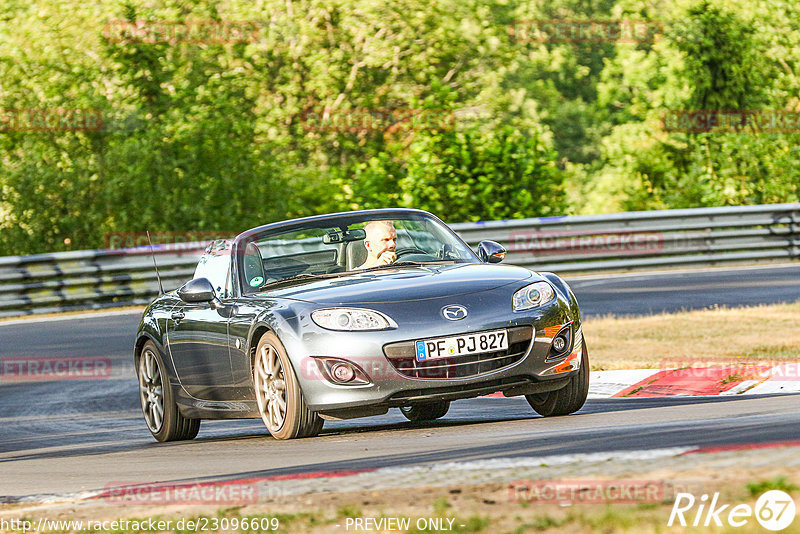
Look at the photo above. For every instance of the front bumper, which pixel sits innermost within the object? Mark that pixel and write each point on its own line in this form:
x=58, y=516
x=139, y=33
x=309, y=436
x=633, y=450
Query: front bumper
x=528, y=370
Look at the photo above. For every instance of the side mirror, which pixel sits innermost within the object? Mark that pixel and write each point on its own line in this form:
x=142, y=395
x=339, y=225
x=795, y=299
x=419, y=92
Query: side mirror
x=199, y=290
x=491, y=252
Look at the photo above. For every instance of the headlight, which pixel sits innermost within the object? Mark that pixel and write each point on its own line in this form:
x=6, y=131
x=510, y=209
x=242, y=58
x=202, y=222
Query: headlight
x=352, y=319
x=533, y=296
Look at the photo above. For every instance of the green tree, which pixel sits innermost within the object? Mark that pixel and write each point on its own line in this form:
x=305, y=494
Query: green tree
x=712, y=57
x=223, y=136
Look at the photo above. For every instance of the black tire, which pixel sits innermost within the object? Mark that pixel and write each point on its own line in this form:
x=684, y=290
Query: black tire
x=294, y=420
x=428, y=411
x=568, y=399
x=170, y=425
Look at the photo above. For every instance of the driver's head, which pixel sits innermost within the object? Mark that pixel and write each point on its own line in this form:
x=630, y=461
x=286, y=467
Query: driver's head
x=381, y=236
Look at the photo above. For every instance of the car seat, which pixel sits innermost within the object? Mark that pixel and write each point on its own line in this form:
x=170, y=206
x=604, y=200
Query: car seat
x=253, y=265
x=356, y=254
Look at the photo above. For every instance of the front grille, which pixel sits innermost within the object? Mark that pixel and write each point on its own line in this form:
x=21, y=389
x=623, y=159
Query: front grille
x=403, y=358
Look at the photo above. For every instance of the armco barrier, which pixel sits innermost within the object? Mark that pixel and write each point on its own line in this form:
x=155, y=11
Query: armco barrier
x=646, y=239
x=90, y=279
x=595, y=243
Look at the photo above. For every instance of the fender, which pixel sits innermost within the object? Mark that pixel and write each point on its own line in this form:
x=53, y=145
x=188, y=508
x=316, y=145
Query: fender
x=278, y=319
x=151, y=328
x=563, y=288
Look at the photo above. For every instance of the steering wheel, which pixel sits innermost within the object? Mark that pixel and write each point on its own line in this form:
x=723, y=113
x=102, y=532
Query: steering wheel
x=409, y=250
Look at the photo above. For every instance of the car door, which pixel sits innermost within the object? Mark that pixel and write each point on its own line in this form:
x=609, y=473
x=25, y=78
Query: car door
x=197, y=337
x=197, y=333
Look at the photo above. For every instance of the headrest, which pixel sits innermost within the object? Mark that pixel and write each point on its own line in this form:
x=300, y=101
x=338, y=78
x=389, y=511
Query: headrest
x=356, y=254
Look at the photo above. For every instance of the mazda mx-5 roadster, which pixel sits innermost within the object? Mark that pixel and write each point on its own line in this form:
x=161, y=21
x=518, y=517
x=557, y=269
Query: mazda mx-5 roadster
x=301, y=321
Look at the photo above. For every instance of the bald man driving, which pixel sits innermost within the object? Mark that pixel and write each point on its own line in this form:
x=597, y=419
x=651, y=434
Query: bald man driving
x=380, y=242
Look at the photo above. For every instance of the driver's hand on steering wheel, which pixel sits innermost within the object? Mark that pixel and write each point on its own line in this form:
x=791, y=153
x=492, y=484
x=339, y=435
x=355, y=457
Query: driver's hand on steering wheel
x=387, y=257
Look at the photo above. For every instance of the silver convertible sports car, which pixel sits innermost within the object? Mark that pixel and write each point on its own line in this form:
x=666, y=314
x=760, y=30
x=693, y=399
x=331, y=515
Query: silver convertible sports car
x=350, y=314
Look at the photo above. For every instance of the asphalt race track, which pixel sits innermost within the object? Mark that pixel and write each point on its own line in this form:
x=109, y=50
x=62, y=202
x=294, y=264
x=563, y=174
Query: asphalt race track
x=647, y=294
x=69, y=436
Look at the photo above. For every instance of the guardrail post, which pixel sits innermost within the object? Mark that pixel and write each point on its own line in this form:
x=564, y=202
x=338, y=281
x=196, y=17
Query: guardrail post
x=792, y=221
x=794, y=234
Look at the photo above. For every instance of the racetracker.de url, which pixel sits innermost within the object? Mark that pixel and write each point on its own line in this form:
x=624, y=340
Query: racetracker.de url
x=197, y=524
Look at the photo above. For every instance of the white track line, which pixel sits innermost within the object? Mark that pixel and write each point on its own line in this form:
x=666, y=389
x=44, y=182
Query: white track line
x=28, y=319
x=667, y=272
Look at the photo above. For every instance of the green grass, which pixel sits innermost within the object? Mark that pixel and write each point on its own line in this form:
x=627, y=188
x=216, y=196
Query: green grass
x=541, y=524
x=777, y=483
x=732, y=378
x=610, y=518
x=348, y=510
x=440, y=505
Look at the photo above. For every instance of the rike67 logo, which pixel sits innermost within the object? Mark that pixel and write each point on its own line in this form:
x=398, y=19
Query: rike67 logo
x=774, y=510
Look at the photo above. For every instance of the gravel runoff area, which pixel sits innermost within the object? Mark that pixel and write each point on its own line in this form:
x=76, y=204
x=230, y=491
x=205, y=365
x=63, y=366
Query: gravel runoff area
x=626, y=491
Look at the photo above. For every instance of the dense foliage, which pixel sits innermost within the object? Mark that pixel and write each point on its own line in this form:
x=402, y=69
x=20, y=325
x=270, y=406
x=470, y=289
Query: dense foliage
x=317, y=106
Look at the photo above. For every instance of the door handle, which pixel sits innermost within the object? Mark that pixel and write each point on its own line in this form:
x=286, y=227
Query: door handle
x=177, y=316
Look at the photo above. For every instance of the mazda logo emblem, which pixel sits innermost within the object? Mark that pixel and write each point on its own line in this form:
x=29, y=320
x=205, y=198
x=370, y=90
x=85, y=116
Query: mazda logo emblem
x=454, y=313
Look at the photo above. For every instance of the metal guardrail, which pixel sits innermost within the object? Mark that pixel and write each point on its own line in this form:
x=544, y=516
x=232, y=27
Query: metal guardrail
x=646, y=239
x=93, y=279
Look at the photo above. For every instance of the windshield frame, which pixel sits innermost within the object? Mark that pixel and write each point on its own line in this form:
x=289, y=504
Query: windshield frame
x=327, y=221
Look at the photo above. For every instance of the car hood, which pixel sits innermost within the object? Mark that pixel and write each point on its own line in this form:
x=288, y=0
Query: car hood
x=403, y=284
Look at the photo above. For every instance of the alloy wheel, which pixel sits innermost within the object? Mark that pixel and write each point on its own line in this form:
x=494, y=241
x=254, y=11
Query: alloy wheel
x=271, y=387
x=151, y=390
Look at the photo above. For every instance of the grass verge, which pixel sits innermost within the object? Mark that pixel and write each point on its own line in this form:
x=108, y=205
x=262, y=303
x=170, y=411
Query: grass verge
x=484, y=508
x=767, y=333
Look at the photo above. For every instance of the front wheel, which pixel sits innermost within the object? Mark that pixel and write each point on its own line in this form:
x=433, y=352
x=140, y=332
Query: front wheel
x=568, y=399
x=280, y=401
x=160, y=411
x=427, y=411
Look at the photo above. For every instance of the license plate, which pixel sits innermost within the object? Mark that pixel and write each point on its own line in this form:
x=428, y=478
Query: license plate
x=447, y=347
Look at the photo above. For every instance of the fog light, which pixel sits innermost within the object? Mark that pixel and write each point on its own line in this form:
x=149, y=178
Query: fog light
x=559, y=343
x=342, y=372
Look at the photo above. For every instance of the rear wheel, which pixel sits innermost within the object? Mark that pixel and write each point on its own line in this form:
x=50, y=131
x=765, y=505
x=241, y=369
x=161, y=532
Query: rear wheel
x=280, y=401
x=160, y=411
x=427, y=411
x=568, y=399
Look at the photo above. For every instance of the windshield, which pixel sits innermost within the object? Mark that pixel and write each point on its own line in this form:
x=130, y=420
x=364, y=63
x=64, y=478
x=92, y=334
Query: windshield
x=346, y=244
